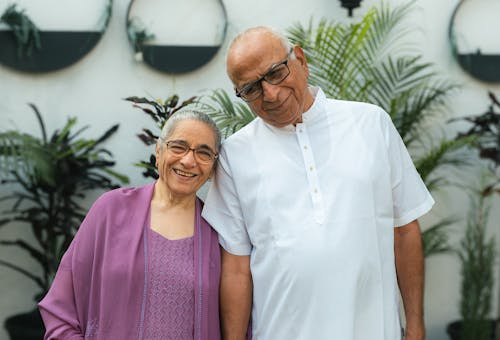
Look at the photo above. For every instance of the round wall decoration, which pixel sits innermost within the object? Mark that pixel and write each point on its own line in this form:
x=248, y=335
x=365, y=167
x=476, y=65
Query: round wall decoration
x=43, y=36
x=176, y=36
x=474, y=37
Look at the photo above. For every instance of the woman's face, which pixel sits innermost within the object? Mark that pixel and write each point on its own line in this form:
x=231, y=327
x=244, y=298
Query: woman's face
x=183, y=175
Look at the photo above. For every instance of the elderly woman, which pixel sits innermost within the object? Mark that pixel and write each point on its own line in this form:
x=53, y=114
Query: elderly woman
x=144, y=264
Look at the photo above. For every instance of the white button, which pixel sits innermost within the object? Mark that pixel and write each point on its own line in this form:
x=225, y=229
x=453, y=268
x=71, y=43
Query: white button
x=311, y=168
x=305, y=147
x=315, y=191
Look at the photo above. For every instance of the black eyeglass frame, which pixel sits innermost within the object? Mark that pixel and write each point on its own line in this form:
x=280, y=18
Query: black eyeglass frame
x=213, y=154
x=263, y=78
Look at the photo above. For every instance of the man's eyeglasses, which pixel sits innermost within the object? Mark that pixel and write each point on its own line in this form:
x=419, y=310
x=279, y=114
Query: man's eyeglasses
x=274, y=76
x=202, y=154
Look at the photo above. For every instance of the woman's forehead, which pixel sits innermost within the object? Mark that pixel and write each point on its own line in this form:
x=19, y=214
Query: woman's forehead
x=194, y=130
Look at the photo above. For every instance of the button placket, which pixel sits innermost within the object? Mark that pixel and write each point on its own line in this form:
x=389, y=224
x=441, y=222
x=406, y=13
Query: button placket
x=312, y=176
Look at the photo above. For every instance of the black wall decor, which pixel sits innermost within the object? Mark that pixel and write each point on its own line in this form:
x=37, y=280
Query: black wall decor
x=470, y=54
x=350, y=5
x=178, y=57
x=53, y=50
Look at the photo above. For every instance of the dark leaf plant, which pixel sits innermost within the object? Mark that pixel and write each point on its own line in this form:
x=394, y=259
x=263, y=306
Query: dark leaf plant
x=484, y=128
x=367, y=61
x=159, y=111
x=49, y=177
x=485, y=131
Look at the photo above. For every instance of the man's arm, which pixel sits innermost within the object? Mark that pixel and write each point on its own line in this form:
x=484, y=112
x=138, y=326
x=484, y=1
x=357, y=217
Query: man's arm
x=235, y=296
x=408, y=251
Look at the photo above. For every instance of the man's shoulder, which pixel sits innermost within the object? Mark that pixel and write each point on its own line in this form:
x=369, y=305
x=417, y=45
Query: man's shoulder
x=248, y=132
x=354, y=107
x=358, y=112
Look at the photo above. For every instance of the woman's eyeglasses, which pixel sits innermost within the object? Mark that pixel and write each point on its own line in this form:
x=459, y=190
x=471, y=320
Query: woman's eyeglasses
x=202, y=154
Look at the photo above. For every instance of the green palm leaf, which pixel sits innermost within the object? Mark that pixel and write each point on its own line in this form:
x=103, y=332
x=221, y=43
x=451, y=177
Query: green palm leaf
x=228, y=115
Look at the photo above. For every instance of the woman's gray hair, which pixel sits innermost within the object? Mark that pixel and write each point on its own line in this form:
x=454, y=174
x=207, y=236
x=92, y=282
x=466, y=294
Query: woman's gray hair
x=189, y=114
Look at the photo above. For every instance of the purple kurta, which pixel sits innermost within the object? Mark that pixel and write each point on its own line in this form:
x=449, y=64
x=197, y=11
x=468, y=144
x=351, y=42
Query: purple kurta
x=100, y=290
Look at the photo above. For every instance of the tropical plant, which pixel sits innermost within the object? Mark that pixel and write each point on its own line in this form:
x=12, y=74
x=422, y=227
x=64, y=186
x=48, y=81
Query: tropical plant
x=25, y=31
x=159, y=111
x=477, y=256
x=485, y=129
x=50, y=176
x=230, y=116
x=364, y=61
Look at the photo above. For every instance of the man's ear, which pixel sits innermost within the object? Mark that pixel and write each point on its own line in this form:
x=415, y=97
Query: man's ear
x=301, y=57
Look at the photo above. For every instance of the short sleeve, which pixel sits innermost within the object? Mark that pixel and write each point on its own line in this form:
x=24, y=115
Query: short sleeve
x=411, y=199
x=223, y=211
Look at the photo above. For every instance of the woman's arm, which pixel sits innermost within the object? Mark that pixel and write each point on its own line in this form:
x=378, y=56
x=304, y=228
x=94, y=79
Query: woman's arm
x=58, y=307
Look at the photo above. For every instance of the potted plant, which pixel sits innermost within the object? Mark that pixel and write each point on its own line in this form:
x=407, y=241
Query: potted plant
x=51, y=175
x=477, y=256
x=476, y=253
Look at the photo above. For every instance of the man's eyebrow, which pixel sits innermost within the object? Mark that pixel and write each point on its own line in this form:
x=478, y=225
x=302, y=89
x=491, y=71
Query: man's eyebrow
x=265, y=72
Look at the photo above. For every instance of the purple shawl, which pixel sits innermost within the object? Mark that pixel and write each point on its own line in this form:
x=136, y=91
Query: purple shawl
x=100, y=289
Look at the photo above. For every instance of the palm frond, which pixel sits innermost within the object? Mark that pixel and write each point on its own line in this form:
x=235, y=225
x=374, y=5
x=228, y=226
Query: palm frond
x=26, y=154
x=228, y=115
x=435, y=238
x=445, y=153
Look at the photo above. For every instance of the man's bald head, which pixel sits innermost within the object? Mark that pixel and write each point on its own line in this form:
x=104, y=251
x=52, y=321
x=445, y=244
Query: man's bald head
x=253, y=42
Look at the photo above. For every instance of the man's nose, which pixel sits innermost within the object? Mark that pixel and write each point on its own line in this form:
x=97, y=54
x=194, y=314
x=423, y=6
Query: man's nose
x=269, y=91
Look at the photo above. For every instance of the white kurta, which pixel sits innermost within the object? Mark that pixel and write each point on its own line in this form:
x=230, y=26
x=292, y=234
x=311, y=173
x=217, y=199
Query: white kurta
x=315, y=206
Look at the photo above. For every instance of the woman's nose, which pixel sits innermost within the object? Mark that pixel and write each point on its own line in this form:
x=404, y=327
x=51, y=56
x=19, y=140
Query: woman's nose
x=189, y=159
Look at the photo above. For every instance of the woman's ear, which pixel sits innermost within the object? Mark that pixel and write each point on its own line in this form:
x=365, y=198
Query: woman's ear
x=157, y=154
x=212, y=172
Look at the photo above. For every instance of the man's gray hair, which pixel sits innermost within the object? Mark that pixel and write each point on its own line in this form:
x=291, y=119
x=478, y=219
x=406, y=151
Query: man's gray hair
x=189, y=114
x=263, y=29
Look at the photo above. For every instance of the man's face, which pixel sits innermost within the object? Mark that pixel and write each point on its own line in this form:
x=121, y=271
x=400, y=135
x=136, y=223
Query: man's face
x=280, y=104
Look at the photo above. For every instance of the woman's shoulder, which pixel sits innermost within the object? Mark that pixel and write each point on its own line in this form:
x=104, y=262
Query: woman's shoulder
x=125, y=194
x=117, y=207
x=123, y=197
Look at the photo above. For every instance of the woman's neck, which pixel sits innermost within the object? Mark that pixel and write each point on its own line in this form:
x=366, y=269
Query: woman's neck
x=164, y=199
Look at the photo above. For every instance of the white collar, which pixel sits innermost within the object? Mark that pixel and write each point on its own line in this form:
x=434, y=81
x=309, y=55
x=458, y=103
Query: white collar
x=312, y=114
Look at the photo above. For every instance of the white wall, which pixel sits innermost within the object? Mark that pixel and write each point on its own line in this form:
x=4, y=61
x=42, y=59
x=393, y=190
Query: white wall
x=93, y=90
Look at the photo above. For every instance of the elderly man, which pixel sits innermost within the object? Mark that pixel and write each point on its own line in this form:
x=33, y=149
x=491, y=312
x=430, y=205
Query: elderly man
x=315, y=202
